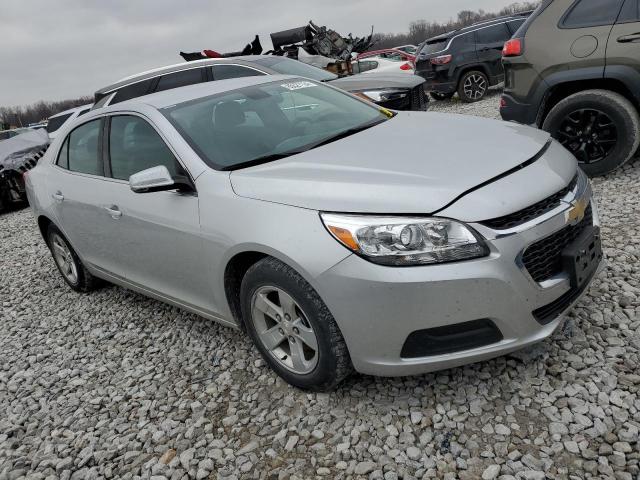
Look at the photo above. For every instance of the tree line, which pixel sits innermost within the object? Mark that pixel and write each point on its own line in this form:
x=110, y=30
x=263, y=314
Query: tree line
x=22, y=116
x=421, y=30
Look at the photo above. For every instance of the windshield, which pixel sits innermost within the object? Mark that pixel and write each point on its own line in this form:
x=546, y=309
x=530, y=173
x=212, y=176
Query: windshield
x=269, y=121
x=288, y=66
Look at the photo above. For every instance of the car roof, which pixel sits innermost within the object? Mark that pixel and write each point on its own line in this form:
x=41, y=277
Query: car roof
x=247, y=60
x=71, y=110
x=174, y=96
x=476, y=26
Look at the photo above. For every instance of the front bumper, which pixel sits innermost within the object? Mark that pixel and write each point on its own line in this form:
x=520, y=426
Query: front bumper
x=378, y=307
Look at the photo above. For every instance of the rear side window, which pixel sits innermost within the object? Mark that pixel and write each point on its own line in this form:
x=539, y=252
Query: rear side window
x=56, y=122
x=84, y=155
x=180, y=79
x=494, y=34
x=223, y=72
x=132, y=91
x=514, y=25
x=134, y=146
x=63, y=155
x=630, y=12
x=591, y=13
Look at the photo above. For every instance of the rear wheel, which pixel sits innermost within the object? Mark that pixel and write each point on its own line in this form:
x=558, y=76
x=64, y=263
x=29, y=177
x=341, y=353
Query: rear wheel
x=69, y=264
x=292, y=327
x=473, y=86
x=442, y=96
x=601, y=128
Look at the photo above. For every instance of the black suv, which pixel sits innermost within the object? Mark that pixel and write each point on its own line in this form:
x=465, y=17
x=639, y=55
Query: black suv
x=573, y=69
x=467, y=61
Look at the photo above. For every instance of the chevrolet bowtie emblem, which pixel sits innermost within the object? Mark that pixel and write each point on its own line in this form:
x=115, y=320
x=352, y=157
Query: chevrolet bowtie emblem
x=576, y=213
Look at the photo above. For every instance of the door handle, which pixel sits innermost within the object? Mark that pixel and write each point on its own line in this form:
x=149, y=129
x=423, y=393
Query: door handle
x=632, y=38
x=58, y=197
x=114, y=211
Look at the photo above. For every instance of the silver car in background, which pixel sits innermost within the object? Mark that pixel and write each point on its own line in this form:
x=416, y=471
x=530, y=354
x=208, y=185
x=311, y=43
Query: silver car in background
x=321, y=225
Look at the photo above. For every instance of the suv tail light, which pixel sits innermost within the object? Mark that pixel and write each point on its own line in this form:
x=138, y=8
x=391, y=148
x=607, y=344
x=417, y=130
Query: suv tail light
x=441, y=60
x=513, y=48
x=406, y=66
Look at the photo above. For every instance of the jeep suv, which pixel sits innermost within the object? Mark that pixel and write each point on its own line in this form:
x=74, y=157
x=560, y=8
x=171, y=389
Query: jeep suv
x=573, y=69
x=467, y=61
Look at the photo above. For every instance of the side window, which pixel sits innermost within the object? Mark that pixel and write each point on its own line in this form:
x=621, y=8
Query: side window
x=223, y=72
x=134, y=146
x=180, y=79
x=84, y=156
x=56, y=122
x=132, y=91
x=591, y=13
x=494, y=34
x=82, y=112
x=630, y=12
x=514, y=25
x=63, y=155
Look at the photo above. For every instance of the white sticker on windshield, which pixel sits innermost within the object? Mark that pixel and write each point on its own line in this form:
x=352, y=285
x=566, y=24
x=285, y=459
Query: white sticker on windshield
x=298, y=85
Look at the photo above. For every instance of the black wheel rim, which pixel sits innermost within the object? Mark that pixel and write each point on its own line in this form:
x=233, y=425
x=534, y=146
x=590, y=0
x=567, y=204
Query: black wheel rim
x=589, y=134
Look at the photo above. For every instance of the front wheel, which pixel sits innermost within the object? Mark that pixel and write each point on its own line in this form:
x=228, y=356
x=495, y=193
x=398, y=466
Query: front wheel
x=473, y=86
x=601, y=128
x=292, y=327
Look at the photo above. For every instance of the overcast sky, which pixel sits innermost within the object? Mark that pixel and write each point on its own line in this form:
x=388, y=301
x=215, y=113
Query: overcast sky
x=54, y=50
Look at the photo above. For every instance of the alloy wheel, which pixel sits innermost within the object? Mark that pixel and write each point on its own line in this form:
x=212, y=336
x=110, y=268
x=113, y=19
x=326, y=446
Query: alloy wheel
x=64, y=259
x=284, y=330
x=589, y=134
x=475, y=86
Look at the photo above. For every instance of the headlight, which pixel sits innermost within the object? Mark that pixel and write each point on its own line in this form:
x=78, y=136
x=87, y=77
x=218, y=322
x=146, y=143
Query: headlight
x=404, y=241
x=382, y=95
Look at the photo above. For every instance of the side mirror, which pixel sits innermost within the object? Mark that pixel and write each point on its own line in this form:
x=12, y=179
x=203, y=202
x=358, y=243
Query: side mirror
x=157, y=179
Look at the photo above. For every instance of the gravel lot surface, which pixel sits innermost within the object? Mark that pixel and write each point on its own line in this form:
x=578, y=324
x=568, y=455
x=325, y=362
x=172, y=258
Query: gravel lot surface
x=115, y=385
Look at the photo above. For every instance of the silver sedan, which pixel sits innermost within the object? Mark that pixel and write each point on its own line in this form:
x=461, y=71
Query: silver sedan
x=337, y=234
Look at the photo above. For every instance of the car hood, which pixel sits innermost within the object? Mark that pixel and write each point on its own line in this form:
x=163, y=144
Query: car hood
x=416, y=162
x=363, y=81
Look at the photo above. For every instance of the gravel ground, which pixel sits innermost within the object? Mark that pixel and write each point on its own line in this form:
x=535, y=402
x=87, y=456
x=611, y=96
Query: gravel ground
x=115, y=385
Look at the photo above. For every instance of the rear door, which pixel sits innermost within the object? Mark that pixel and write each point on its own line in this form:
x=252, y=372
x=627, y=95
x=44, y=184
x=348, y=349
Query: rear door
x=489, y=43
x=623, y=49
x=81, y=192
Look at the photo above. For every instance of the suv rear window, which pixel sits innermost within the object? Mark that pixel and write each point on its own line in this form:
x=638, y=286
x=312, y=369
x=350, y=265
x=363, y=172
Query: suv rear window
x=434, y=46
x=591, y=13
x=56, y=122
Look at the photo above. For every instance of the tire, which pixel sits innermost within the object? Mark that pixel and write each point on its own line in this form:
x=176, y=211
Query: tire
x=615, y=145
x=442, y=96
x=473, y=86
x=331, y=363
x=83, y=280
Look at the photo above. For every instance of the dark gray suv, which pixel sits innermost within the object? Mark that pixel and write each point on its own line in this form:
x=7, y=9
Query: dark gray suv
x=573, y=69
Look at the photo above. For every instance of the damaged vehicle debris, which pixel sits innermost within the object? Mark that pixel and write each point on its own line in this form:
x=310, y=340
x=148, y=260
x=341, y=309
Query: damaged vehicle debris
x=18, y=155
x=318, y=46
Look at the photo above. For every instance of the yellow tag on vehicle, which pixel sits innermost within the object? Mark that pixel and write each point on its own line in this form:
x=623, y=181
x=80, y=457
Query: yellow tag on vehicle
x=388, y=113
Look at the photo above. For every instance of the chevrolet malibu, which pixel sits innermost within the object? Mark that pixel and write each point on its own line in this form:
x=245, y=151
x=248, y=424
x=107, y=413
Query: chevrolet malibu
x=321, y=225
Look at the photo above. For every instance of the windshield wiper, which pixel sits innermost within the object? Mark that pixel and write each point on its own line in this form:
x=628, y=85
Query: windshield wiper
x=278, y=156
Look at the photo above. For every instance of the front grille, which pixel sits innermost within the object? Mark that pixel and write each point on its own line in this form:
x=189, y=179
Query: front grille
x=418, y=99
x=543, y=259
x=529, y=213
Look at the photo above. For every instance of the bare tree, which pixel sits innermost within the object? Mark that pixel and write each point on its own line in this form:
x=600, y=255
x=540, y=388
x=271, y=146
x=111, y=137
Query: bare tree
x=24, y=115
